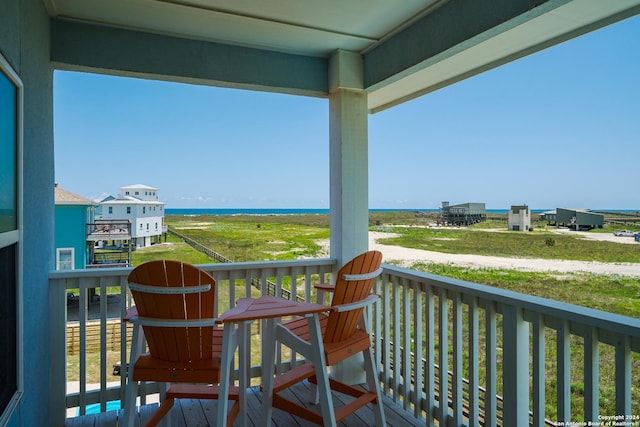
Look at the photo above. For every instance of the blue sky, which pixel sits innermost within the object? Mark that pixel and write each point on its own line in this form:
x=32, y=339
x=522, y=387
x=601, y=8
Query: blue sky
x=560, y=128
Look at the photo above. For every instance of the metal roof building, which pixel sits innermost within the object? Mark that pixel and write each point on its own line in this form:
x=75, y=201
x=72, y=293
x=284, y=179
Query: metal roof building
x=463, y=214
x=576, y=218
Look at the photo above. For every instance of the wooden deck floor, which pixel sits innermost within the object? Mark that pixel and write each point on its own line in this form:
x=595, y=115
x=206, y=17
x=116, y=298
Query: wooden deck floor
x=188, y=412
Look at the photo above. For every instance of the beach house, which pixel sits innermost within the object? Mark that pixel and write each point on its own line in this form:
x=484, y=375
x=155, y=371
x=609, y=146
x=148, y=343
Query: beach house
x=139, y=204
x=430, y=334
x=73, y=213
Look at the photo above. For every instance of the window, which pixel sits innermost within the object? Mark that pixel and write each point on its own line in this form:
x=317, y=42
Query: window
x=10, y=239
x=144, y=209
x=110, y=209
x=65, y=259
x=147, y=226
x=128, y=209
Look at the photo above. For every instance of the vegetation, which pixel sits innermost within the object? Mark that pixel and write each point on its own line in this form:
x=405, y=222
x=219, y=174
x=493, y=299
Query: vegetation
x=256, y=238
x=615, y=294
x=173, y=248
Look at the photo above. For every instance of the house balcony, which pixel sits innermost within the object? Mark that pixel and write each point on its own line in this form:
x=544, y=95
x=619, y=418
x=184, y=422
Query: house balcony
x=448, y=352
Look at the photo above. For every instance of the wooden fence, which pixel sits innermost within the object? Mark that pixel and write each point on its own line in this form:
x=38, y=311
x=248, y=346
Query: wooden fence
x=93, y=336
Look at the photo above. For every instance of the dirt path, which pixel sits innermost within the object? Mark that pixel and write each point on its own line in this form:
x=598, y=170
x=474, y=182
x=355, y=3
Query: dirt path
x=407, y=256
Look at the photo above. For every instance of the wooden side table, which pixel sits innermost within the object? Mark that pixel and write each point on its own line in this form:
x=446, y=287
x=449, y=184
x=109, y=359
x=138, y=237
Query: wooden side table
x=268, y=310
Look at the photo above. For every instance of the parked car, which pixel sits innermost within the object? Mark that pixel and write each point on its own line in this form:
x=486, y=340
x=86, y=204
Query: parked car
x=624, y=233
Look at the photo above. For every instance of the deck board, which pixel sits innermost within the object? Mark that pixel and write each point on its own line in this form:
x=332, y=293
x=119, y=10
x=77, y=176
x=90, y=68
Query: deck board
x=193, y=412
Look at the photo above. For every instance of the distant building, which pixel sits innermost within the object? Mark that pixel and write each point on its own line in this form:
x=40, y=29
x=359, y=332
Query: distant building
x=549, y=216
x=139, y=205
x=72, y=214
x=463, y=214
x=519, y=218
x=579, y=218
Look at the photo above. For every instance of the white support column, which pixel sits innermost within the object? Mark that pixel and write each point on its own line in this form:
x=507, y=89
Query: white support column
x=349, y=157
x=349, y=175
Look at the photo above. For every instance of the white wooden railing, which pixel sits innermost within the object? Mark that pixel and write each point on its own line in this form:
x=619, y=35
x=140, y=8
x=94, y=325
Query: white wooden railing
x=496, y=370
x=501, y=350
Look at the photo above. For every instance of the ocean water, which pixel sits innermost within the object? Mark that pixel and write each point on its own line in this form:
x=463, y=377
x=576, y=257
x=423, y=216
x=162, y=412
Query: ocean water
x=296, y=211
x=325, y=211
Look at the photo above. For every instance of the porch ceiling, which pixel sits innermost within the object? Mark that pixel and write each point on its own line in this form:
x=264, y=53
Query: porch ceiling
x=409, y=47
x=301, y=27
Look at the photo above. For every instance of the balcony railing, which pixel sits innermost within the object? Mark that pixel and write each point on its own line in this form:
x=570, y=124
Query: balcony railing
x=496, y=355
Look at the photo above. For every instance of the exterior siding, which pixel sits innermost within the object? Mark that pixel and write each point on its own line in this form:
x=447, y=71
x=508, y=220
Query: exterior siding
x=25, y=41
x=70, y=231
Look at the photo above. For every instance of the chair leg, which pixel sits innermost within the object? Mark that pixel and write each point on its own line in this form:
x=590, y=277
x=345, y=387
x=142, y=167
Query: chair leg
x=374, y=385
x=268, y=369
x=245, y=365
x=165, y=421
x=317, y=358
x=225, y=374
x=160, y=413
x=131, y=392
x=129, y=410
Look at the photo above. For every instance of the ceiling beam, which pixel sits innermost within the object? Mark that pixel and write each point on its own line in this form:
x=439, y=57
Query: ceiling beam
x=110, y=50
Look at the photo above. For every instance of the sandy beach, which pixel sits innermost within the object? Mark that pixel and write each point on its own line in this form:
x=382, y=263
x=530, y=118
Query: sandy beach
x=407, y=256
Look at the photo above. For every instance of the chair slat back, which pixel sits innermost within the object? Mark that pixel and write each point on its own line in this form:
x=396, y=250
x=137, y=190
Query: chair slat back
x=342, y=325
x=175, y=344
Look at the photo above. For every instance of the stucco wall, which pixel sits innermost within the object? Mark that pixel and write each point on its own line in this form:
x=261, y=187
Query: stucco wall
x=24, y=41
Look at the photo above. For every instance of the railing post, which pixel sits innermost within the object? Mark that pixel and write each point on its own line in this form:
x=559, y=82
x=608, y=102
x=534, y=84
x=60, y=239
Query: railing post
x=516, y=367
x=57, y=348
x=591, y=375
x=623, y=375
x=563, y=371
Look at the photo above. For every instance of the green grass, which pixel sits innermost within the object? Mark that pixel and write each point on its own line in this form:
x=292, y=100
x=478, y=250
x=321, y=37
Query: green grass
x=174, y=249
x=256, y=238
x=615, y=294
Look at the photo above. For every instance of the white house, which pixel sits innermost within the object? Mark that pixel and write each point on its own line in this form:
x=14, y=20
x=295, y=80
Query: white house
x=519, y=218
x=140, y=205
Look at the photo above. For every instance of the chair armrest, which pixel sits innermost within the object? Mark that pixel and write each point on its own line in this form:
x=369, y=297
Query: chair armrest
x=355, y=305
x=327, y=287
x=365, y=276
x=322, y=289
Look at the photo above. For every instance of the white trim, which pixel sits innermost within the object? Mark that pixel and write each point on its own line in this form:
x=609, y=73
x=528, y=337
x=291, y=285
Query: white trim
x=73, y=258
x=364, y=276
x=9, y=238
x=171, y=290
x=16, y=237
x=370, y=299
x=172, y=323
